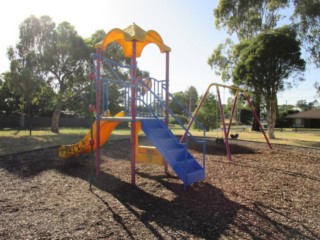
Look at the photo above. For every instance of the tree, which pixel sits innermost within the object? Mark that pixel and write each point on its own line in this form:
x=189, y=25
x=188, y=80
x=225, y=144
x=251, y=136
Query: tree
x=192, y=97
x=304, y=106
x=266, y=63
x=307, y=19
x=317, y=86
x=114, y=52
x=9, y=99
x=25, y=76
x=243, y=19
x=284, y=111
x=56, y=57
x=65, y=61
x=209, y=114
x=188, y=99
x=175, y=108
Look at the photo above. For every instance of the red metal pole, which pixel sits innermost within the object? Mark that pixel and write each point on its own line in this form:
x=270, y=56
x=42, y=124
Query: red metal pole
x=224, y=125
x=133, y=111
x=257, y=119
x=232, y=112
x=167, y=101
x=98, y=102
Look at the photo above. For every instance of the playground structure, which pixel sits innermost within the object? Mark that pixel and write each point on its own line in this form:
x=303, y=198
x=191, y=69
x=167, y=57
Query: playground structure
x=145, y=107
x=145, y=104
x=226, y=129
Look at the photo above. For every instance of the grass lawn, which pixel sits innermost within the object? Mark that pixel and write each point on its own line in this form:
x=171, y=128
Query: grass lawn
x=287, y=136
x=13, y=141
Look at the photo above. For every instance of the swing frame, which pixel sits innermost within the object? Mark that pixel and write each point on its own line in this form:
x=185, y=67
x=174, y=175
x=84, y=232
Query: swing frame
x=226, y=129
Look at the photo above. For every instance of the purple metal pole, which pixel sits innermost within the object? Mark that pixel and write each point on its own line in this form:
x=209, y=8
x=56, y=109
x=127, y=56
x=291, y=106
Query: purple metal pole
x=257, y=119
x=98, y=101
x=133, y=111
x=232, y=112
x=224, y=125
x=167, y=101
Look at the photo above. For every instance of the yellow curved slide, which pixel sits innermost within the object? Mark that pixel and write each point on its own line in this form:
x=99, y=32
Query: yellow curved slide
x=83, y=146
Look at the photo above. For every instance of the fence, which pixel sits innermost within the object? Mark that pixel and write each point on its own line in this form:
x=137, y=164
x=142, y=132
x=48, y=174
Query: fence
x=41, y=122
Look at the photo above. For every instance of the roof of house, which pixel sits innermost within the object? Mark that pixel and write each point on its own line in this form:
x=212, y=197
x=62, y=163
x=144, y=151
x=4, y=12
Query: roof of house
x=311, y=114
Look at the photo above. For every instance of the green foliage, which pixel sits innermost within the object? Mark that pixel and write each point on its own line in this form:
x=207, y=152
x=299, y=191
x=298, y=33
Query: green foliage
x=317, y=87
x=307, y=18
x=175, y=108
x=269, y=59
x=9, y=99
x=305, y=106
x=188, y=99
x=114, y=52
x=182, y=118
x=209, y=114
x=191, y=97
x=49, y=56
x=266, y=63
x=246, y=18
x=284, y=111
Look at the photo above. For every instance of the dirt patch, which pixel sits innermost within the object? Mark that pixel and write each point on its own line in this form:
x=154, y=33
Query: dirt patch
x=261, y=194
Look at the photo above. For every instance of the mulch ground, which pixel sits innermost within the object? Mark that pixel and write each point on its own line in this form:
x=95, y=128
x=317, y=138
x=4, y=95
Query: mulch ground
x=261, y=194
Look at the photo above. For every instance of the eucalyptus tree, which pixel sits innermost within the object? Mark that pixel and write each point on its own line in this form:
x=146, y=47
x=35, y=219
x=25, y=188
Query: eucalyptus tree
x=26, y=76
x=243, y=20
x=307, y=20
x=49, y=55
x=267, y=63
x=65, y=61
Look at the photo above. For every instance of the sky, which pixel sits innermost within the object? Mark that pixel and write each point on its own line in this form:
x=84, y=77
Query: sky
x=186, y=26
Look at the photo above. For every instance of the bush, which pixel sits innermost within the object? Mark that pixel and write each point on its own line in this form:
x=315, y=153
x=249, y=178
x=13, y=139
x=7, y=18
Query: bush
x=182, y=118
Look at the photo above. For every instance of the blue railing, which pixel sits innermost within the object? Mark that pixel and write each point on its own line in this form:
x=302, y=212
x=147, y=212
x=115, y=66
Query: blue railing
x=162, y=102
x=150, y=95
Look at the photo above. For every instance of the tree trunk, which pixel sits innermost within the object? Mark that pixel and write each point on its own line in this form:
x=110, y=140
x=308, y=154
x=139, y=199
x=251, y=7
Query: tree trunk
x=29, y=117
x=22, y=120
x=271, y=117
x=256, y=105
x=56, y=117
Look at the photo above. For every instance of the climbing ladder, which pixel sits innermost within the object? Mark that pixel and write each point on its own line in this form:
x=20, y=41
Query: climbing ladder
x=175, y=153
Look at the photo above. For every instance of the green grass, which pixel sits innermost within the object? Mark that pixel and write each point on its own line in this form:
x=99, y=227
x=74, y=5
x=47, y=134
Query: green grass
x=12, y=141
x=306, y=138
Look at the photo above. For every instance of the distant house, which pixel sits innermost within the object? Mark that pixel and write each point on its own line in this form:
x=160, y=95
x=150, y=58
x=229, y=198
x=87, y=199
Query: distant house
x=307, y=119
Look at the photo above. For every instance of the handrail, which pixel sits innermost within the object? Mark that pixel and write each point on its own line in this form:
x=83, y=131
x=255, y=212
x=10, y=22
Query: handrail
x=187, y=112
x=178, y=120
x=172, y=114
x=107, y=60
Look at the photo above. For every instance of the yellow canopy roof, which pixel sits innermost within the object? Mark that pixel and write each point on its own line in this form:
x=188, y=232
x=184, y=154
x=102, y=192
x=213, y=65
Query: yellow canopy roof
x=133, y=32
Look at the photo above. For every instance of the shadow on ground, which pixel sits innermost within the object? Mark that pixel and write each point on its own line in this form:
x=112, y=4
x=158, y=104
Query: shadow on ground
x=203, y=211
x=219, y=149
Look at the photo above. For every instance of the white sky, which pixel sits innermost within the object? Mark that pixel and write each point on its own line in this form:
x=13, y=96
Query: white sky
x=187, y=26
